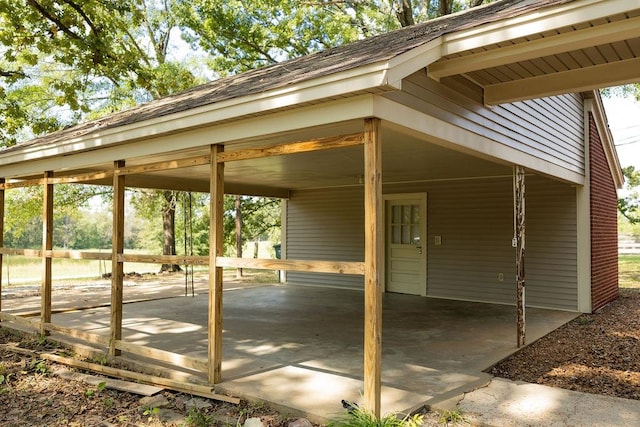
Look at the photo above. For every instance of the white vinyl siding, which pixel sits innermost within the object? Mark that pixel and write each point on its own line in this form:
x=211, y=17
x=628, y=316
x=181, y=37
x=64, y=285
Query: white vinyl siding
x=475, y=221
x=550, y=129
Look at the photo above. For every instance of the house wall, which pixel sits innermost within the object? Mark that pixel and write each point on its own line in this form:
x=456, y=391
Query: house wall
x=604, y=226
x=550, y=129
x=475, y=221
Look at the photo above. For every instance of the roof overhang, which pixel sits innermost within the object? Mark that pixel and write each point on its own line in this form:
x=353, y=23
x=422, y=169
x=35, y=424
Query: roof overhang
x=570, y=48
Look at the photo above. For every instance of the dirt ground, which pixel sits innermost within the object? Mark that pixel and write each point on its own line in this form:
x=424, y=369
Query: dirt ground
x=598, y=353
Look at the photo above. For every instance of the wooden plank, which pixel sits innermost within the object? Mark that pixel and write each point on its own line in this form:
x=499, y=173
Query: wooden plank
x=47, y=244
x=216, y=210
x=128, y=386
x=183, y=387
x=373, y=259
x=23, y=183
x=117, y=267
x=335, y=267
x=519, y=223
x=79, y=255
x=36, y=253
x=162, y=166
x=75, y=333
x=291, y=148
x=163, y=356
x=91, y=176
x=162, y=259
x=20, y=321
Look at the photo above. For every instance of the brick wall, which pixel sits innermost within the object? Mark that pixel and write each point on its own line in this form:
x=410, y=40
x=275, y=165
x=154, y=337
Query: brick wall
x=604, y=227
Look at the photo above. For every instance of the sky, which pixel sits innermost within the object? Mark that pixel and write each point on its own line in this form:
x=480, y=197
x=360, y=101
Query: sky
x=623, y=114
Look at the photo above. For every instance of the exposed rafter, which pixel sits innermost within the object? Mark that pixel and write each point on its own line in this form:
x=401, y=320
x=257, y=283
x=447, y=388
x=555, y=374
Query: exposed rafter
x=578, y=80
x=565, y=42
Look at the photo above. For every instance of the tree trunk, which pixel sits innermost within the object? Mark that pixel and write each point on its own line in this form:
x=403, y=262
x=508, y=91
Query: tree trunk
x=404, y=13
x=169, y=229
x=238, y=206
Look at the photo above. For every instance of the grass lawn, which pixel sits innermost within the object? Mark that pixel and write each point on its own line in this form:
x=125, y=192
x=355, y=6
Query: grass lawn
x=629, y=271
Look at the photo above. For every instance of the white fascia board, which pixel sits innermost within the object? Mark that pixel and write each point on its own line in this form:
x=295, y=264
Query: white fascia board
x=450, y=136
x=248, y=128
x=372, y=77
x=535, y=23
x=413, y=60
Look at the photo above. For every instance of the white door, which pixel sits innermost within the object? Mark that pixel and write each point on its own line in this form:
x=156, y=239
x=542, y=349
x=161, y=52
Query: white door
x=406, y=250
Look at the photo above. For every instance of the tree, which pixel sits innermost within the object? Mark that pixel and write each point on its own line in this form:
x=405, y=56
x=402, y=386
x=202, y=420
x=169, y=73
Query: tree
x=629, y=206
x=63, y=61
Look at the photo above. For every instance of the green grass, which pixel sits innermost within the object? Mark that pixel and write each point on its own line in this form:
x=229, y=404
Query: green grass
x=629, y=271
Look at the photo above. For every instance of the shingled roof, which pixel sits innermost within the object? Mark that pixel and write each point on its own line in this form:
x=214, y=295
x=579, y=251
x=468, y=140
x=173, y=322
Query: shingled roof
x=331, y=61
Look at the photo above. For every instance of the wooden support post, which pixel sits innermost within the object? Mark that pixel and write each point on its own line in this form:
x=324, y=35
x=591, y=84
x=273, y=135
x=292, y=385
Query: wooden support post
x=216, y=207
x=519, y=224
x=117, y=266
x=1, y=236
x=373, y=234
x=47, y=245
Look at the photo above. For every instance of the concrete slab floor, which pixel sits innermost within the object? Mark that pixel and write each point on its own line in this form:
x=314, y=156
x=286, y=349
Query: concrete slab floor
x=302, y=347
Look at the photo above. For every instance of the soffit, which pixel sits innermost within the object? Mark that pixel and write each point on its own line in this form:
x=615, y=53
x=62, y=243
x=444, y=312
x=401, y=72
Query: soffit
x=571, y=55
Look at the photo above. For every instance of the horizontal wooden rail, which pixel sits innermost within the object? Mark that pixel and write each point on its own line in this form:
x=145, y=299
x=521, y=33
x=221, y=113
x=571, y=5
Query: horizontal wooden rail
x=25, y=252
x=74, y=333
x=335, y=267
x=184, y=387
x=163, y=356
x=163, y=166
x=79, y=255
x=21, y=321
x=291, y=148
x=21, y=184
x=164, y=259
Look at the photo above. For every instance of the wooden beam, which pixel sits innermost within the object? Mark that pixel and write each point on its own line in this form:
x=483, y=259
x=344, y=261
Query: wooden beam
x=163, y=356
x=78, y=255
x=216, y=209
x=519, y=232
x=291, y=148
x=334, y=267
x=117, y=267
x=20, y=321
x=164, y=259
x=183, y=387
x=162, y=166
x=570, y=41
x=373, y=234
x=47, y=245
x=75, y=333
x=23, y=183
x=1, y=237
x=36, y=253
x=74, y=179
x=578, y=80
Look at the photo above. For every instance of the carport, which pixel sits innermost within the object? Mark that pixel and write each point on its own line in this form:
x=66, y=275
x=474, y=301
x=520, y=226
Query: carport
x=455, y=87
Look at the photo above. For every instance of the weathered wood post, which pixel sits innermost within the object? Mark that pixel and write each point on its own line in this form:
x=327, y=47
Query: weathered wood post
x=117, y=266
x=373, y=234
x=47, y=245
x=519, y=224
x=216, y=209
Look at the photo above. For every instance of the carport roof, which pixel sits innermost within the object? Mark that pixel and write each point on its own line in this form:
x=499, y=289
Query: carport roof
x=503, y=51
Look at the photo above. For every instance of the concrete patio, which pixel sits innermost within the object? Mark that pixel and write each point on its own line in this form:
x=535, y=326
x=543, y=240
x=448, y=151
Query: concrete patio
x=301, y=347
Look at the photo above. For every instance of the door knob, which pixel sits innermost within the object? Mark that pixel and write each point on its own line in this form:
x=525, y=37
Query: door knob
x=419, y=248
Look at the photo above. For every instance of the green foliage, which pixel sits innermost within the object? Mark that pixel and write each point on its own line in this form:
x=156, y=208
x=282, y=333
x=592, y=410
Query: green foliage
x=195, y=418
x=39, y=366
x=261, y=219
x=451, y=416
x=360, y=417
x=629, y=206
